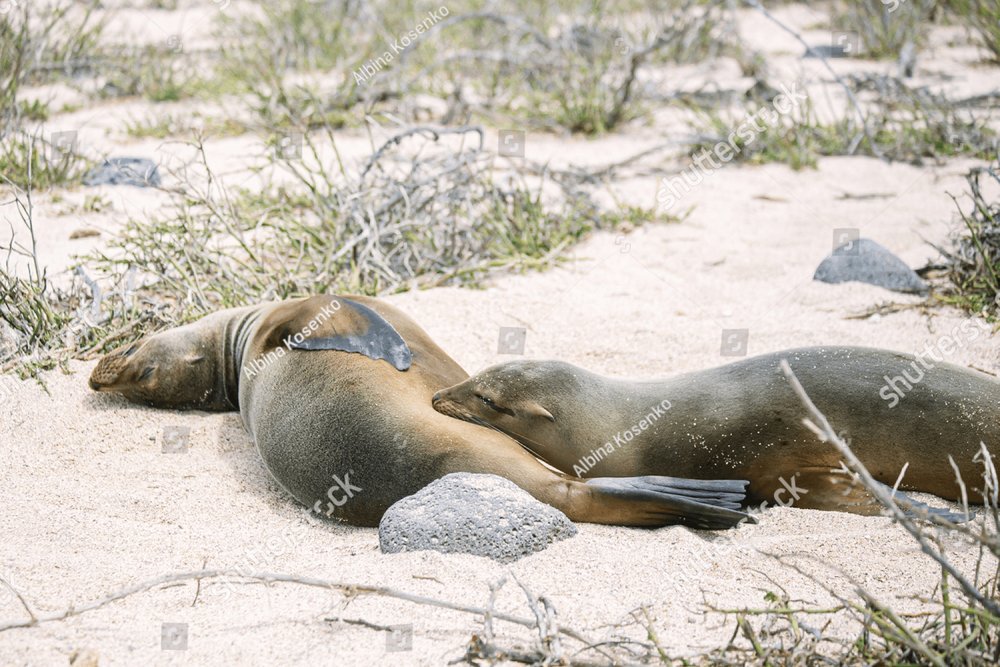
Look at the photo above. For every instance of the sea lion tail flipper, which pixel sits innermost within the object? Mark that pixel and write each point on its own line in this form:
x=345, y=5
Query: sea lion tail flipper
x=652, y=505
x=918, y=510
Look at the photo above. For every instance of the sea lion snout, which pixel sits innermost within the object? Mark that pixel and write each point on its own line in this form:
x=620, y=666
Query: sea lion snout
x=109, y=369
x=446, y=406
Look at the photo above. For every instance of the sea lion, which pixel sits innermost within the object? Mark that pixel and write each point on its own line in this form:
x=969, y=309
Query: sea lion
x=743, y=420
x=336, y=392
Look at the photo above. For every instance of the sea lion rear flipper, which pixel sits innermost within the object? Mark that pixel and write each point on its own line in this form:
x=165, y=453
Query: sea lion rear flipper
x=918, y=510
x=708, y=504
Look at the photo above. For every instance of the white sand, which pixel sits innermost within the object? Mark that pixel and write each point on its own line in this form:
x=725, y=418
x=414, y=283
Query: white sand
x=93, y=505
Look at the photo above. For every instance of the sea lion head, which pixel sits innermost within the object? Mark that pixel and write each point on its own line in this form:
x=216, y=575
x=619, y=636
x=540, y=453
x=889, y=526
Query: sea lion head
x=524, y=399
x=178, y=368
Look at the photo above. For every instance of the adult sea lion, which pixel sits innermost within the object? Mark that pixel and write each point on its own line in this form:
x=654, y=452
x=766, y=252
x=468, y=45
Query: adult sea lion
x=744, y=420
x=336, y=393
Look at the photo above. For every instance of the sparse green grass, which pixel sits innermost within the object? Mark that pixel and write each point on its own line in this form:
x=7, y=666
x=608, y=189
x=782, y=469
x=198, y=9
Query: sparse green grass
x=31, y=37
x=904, y=123
x=952, y=631
x=885, y=27
x=974, y=258
x=27, y=160
x=27, y=308
x=583, y=75
x=159, y=127
x=797, y=139
x=35, y=111
x=157, y=73
x=523, y=65
x=175, y=125
x=981, y=17
x=265, y=50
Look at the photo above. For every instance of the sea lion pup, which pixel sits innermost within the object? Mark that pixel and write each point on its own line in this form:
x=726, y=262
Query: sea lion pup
x=744, y=420
x=336, y=393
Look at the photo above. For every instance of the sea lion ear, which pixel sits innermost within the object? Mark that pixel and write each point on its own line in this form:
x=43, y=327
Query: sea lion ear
x=533, y=409
x=194, y=358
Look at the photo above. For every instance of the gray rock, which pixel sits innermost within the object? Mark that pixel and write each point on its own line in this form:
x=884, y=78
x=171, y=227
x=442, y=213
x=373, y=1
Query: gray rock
x=482, y=515
x=865, y=261
x=137, y=171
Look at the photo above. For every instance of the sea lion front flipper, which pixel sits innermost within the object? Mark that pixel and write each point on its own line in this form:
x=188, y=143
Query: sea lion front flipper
x=379, y=341
x=669, y=502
